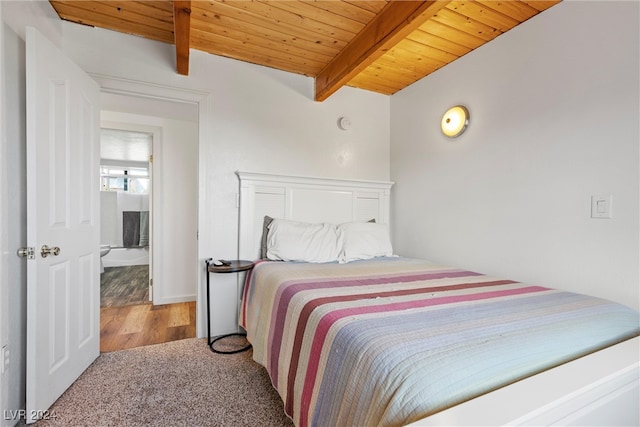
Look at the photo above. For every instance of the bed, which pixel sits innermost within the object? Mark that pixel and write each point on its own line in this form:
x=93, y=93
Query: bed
x=395, y=341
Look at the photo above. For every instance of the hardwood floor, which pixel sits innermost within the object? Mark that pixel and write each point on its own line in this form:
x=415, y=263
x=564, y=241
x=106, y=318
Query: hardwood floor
x=144, y=324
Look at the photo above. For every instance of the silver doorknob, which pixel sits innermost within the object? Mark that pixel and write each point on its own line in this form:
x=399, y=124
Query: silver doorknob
x=27, y=252
x=45, y=251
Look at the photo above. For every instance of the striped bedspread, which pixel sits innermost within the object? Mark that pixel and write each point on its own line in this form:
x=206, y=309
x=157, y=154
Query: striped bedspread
x=390, y=341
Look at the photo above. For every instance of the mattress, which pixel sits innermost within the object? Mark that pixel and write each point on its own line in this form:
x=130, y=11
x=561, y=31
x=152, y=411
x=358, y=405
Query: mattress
x=392, y=340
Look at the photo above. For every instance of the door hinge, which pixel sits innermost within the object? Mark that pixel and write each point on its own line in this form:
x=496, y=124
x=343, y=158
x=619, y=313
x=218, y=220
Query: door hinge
x=29, y=252
x=151, y=289
x=151, y=158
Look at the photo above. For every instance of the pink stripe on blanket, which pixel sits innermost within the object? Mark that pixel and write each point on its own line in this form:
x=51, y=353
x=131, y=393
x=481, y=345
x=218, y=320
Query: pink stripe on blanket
x=245, y=291
x=311, y=305
x=330, y=318
x=288, y=290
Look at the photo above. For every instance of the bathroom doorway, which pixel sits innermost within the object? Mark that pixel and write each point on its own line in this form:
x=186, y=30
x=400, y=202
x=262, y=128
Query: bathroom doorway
x=126, y=217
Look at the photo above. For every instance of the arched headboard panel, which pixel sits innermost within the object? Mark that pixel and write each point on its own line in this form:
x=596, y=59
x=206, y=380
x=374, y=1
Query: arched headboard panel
x=307, y=199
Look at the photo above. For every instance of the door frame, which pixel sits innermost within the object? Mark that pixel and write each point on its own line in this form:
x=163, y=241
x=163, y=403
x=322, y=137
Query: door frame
x=128, y=87
x=155, y=198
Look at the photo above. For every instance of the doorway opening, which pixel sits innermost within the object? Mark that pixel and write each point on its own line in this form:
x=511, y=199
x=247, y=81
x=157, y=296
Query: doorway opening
x=125, y=217
x=154, y=175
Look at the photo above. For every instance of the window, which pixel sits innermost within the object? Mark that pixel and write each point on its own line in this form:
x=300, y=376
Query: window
x=124, y=164
x=124, y=178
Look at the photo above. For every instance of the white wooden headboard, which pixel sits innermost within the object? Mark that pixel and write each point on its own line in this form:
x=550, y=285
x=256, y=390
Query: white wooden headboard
x=307, y=199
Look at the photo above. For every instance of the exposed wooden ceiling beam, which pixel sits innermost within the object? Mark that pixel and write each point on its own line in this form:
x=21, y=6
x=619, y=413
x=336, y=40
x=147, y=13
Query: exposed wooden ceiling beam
x=181, y=33
x=390, y=26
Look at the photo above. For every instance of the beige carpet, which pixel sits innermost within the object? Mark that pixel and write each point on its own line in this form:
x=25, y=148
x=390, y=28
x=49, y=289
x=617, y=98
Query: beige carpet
x=181, y=383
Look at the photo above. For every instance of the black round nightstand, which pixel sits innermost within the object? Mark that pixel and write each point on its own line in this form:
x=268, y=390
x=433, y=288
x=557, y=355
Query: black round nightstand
x=234, y=266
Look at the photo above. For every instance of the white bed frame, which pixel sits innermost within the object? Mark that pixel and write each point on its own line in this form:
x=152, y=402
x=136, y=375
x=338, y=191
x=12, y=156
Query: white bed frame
x=602, y=388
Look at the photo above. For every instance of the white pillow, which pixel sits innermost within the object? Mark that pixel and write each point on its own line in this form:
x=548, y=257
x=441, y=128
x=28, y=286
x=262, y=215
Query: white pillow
x=298, y=241
x=364, y=240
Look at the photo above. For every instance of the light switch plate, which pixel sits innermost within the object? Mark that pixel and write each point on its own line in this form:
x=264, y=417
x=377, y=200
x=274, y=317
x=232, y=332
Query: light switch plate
x=601, y=206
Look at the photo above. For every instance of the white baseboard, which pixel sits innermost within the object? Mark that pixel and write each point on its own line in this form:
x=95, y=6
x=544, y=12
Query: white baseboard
x=174, y=300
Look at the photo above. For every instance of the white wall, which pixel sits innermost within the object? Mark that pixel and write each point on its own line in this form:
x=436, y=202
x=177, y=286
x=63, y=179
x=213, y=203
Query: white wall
x=259, y=120
x=175, y=202
x=4, y=303
x=14, y=227
x=555, y=112
x=15, y=15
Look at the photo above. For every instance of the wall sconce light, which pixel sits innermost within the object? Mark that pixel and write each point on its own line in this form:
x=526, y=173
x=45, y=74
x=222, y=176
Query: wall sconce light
x=455, y=121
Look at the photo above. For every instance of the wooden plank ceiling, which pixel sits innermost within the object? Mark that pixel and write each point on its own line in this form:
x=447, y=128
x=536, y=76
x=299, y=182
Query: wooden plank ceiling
x=381, y=46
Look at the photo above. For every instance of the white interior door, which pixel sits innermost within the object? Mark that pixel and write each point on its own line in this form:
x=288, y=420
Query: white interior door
x=63, y=300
